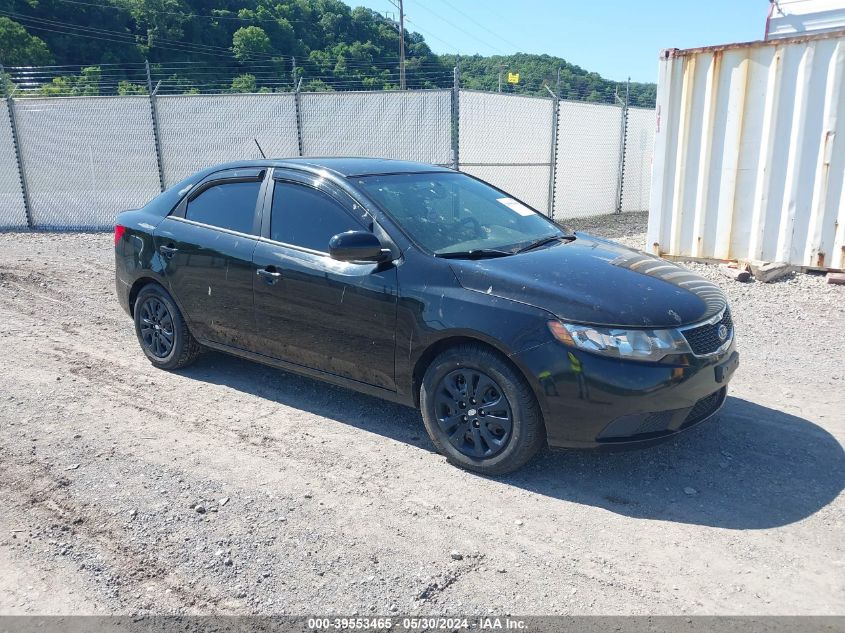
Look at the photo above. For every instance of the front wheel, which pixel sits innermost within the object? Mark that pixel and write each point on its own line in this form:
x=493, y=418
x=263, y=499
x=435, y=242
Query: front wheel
x=162, y=331
x=479, y=411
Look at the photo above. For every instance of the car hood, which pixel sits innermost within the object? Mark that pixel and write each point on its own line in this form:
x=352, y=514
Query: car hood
x=596, y=281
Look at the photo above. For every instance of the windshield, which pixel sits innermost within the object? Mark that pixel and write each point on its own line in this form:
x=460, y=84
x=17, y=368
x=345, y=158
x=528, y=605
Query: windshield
x=447, y=212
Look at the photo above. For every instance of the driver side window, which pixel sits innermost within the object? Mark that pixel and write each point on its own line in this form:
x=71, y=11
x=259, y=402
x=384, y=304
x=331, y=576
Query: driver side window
x=307, y=217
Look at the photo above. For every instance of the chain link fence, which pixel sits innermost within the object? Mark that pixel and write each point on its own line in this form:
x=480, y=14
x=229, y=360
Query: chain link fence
x=589, y=141
x=196, y=131
x=636, y=176
x=86, y=158
x=409, y=125
x=12, y=208
x=507, y=141
x=82, y=160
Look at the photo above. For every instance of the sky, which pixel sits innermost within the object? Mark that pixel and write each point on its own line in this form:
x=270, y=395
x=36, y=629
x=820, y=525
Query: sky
x=615, y=38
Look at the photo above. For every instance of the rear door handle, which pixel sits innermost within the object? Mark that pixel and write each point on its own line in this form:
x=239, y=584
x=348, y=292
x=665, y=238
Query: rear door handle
x=270, y=274
x=168, y=251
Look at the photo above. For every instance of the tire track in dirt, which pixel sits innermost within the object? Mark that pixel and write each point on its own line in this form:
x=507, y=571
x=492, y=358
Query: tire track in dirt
x=339, y=498
x=100, y=370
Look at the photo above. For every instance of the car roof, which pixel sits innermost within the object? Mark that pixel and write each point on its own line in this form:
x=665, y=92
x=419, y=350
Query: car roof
x=342, y=166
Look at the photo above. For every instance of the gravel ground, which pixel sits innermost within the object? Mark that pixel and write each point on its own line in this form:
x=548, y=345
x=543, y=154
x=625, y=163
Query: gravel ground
x=231, y=488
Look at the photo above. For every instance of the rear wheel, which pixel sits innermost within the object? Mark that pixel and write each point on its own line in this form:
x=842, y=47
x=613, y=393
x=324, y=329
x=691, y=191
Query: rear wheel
x=480, y=412
x=162, y=331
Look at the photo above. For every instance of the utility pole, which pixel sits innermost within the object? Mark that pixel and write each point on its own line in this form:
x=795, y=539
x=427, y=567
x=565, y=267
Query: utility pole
x=401, y=45
x=400, y=4
x=501, y=66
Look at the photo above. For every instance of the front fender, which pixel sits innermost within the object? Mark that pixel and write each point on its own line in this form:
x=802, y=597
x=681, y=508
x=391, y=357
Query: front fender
x=438, y=309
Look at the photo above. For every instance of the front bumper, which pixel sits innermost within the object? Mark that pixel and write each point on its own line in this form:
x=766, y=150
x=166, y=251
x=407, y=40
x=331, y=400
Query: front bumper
x=590, y=401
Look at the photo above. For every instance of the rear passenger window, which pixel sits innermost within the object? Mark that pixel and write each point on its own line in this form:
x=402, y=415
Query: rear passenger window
x=229, y=205
x=307, y=217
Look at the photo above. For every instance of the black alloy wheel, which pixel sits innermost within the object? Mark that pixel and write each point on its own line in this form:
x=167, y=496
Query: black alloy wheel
x=479, y=410
x=474, y=413
x=162, y=331
x=157, y=332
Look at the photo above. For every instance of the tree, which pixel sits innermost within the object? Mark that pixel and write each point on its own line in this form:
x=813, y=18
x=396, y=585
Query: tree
x=128, y=88
x=87, y=83
x=249, y=42
x=244, y=83
x=210, y=45
x=19, y=48
x=163, y=19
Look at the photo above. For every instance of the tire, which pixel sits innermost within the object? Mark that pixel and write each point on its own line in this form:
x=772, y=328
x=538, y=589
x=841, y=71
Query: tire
x=468, y=436
x=161, y=330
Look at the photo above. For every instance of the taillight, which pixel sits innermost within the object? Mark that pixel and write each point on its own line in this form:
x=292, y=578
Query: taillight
x=118, y=233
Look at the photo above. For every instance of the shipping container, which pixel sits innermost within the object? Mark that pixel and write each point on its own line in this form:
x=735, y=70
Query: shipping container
x=749, y=158
x=790, y=18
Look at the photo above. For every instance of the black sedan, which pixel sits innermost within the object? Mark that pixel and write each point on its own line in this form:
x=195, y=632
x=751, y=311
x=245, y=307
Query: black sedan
x=433, y=289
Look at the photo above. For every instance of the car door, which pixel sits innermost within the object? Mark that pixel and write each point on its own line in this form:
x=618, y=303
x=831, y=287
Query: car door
x=314, y=311
x=206, y=247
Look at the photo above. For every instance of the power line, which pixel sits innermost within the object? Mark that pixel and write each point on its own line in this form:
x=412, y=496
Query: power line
x=136, y=39
x=464, y=31
x=478, y=24
x=431, y=35
x=99, y=34
x=103, y=39
x=127, y=38
x=20, y=16
x=190, y=15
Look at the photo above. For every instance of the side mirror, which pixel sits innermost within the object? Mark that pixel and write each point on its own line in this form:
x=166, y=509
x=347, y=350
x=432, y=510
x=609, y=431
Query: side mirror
x=357, y=246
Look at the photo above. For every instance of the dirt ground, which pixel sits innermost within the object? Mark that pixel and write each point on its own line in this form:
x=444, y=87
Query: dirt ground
x=313, y=499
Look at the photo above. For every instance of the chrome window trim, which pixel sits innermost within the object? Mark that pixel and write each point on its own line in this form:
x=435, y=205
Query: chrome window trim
x=177, y=218
x=316, y=253
x=295, y=247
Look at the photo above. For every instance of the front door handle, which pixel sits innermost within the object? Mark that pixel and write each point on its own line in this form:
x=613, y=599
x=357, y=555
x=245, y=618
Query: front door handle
x=269, y=274
x=168, y=251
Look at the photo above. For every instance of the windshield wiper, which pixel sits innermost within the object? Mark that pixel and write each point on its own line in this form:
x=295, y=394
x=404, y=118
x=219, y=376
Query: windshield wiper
x=545, y=240
x=478, y=253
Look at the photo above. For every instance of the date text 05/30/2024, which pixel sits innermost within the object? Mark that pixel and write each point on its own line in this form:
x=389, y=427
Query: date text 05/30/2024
x=419, y=623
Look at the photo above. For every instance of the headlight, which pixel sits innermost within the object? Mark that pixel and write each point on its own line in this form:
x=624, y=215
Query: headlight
x=648, y=345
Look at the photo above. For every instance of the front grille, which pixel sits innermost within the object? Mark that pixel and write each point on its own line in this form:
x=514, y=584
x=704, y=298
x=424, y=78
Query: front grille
x=704, y=339
x=705, y=407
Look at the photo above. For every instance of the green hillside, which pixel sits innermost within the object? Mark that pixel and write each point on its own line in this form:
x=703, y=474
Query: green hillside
x=99, y=47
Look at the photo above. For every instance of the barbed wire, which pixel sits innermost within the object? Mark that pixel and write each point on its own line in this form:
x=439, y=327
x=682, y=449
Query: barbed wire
x=262, y=76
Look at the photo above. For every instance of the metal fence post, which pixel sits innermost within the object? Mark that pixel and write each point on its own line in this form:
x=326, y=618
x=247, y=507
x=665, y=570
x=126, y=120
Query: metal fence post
x=298, y=102
x=623, y=138
x=456, y=112
x=10, y=105
x=553, y=154
x=154, y=113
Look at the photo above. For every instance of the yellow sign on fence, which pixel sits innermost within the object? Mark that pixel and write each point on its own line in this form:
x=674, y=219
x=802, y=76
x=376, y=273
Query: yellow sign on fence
x=513, y=78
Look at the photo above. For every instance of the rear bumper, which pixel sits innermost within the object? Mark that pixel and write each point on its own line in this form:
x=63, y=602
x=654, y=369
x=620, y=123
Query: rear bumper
x=122, y=289
x=590, y=401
